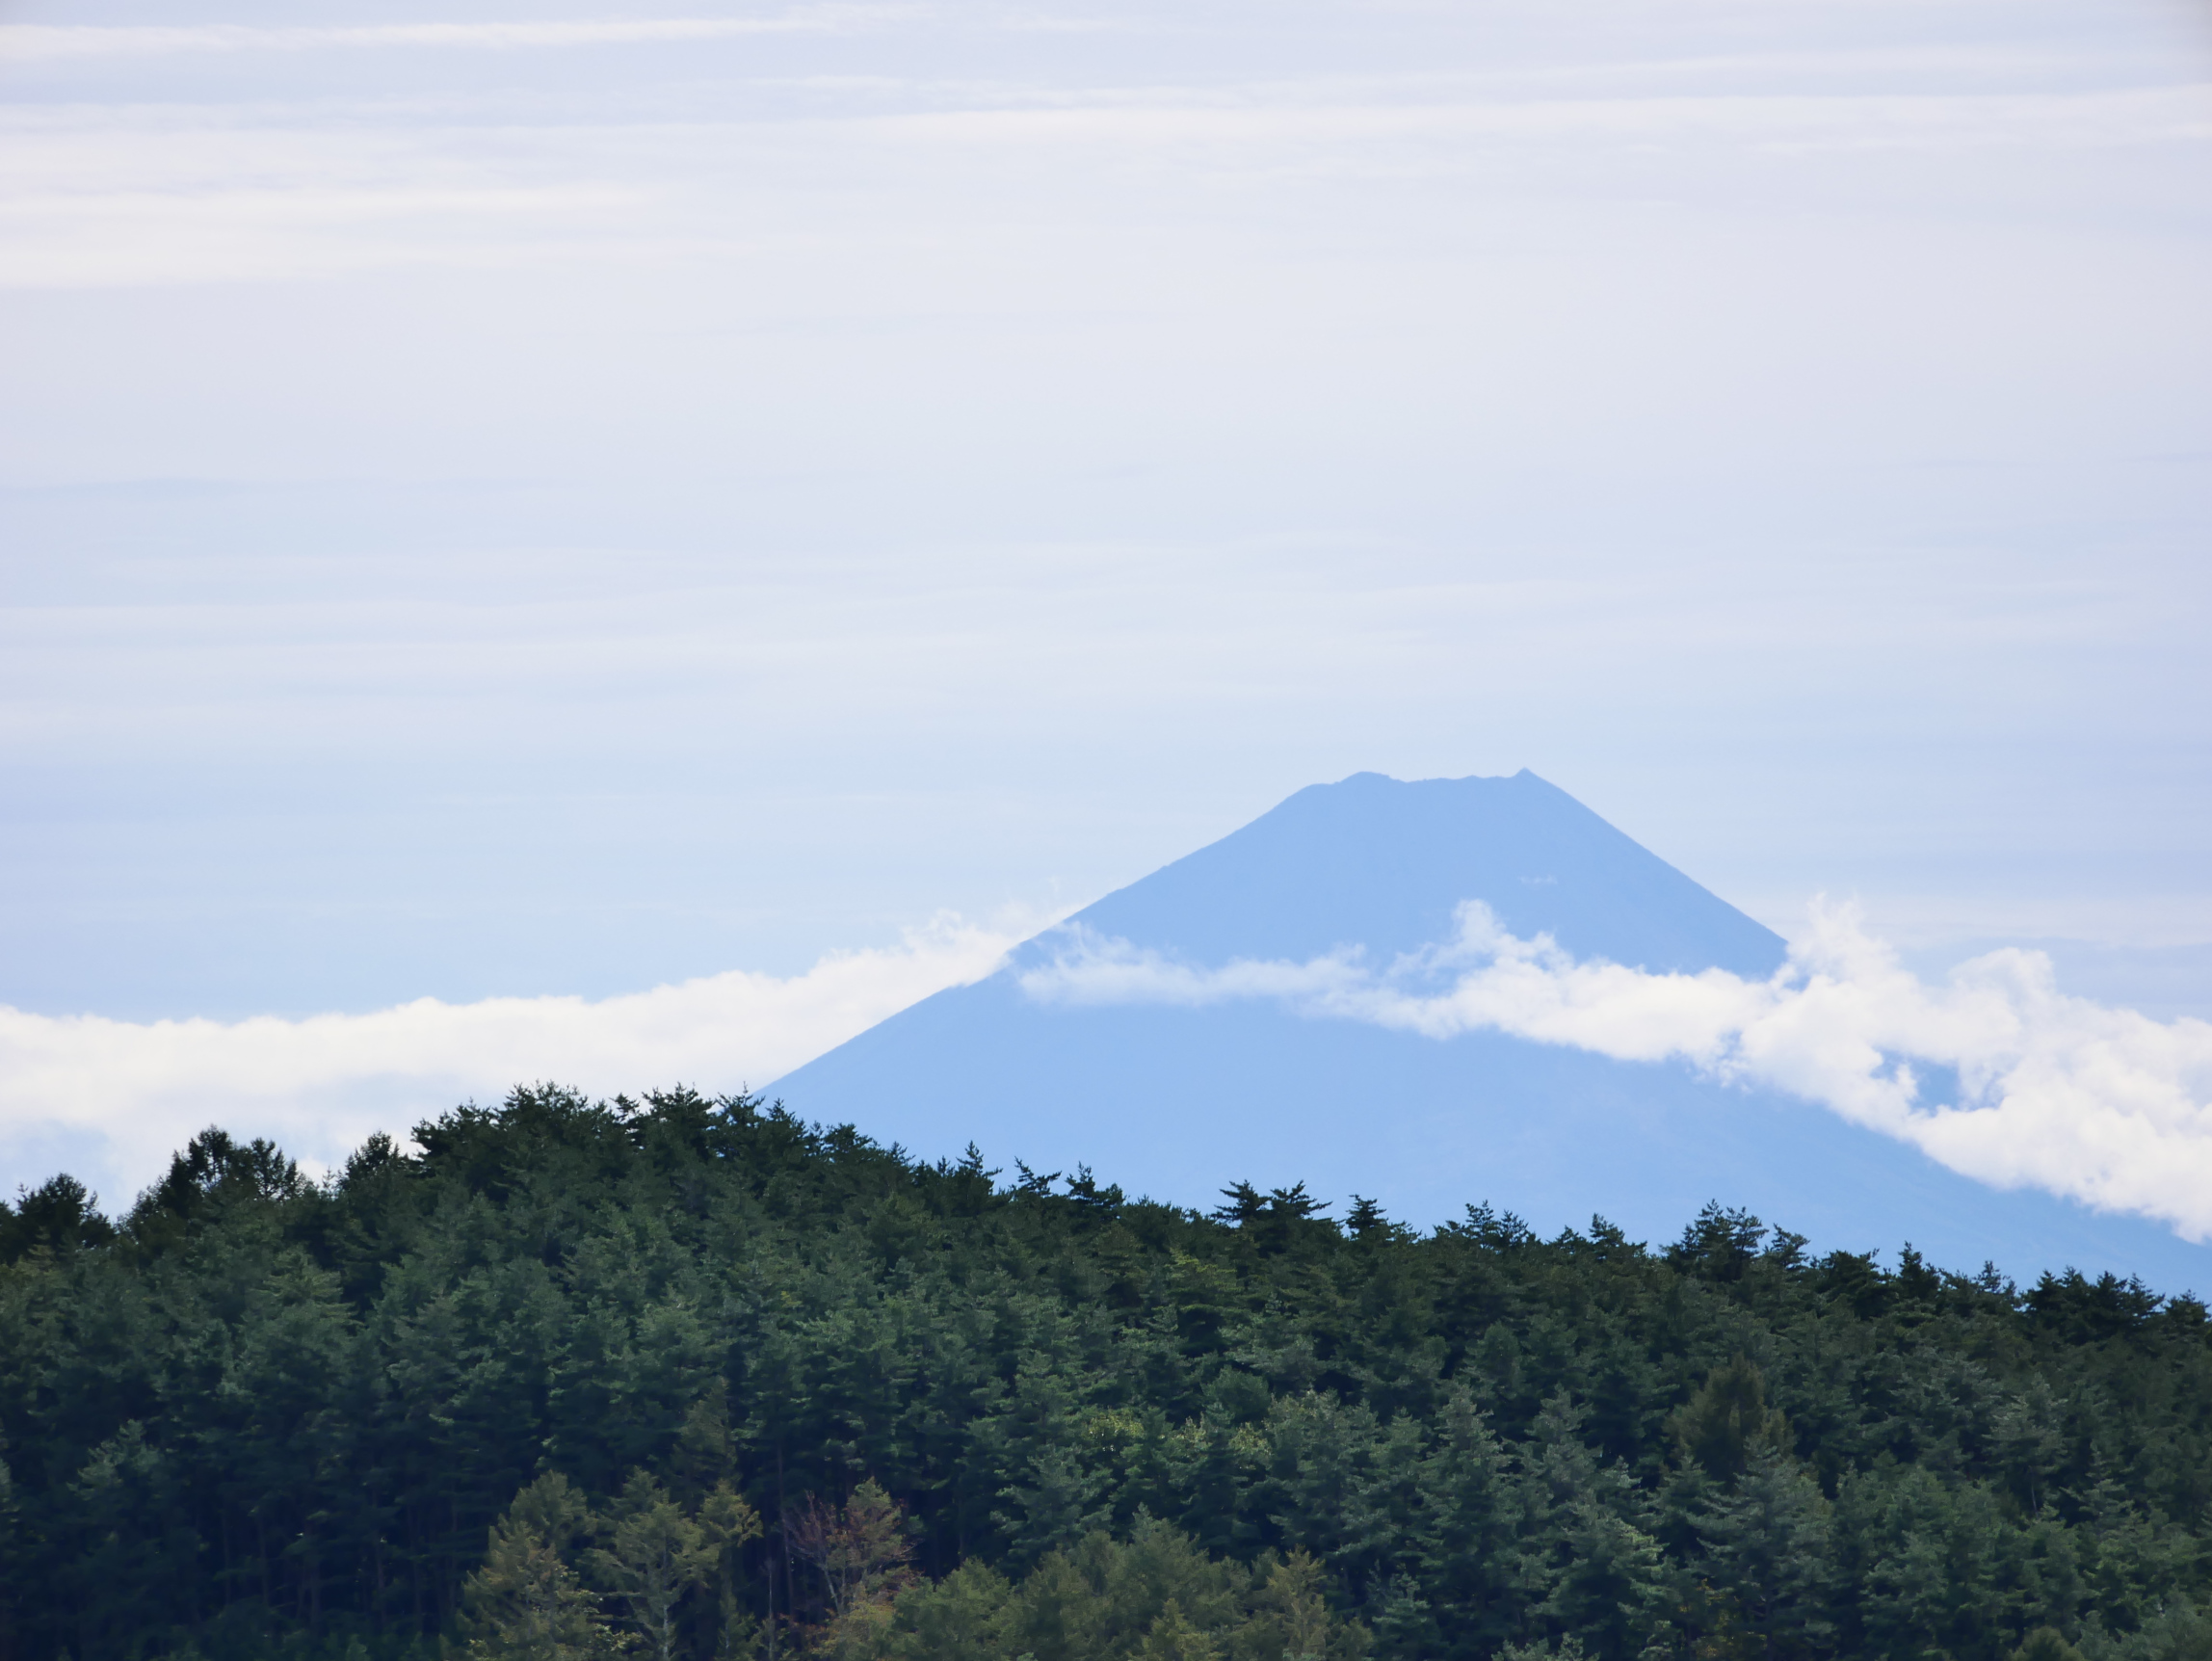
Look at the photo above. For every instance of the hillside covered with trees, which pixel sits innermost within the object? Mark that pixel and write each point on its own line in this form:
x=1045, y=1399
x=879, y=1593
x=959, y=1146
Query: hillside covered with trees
x=690, y=1378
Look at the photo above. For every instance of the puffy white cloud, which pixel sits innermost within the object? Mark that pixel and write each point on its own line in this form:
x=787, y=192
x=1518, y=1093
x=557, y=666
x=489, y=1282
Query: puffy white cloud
x=2102, y=1104
x=121, y=1095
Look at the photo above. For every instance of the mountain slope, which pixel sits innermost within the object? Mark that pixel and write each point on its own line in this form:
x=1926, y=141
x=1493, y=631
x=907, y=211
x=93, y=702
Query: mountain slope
x=1177, y=1100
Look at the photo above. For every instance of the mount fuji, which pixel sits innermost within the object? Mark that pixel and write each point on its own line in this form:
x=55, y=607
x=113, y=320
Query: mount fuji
x=1176, y=1098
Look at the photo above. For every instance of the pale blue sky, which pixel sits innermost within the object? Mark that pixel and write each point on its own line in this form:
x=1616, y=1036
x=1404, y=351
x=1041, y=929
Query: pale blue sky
x=564, y=511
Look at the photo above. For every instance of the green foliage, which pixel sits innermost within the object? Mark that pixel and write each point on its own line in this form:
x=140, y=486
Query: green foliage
x=861, y=1551
x=526, y=1602
x=691, y=1380
x=1728, y=1422
x=2046, y=1644
x=1154, y=1596
x=654, y=1558
x=58, y=1216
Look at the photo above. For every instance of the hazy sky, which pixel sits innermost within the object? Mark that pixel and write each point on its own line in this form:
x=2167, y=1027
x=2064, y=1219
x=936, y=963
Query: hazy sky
x=518, y=499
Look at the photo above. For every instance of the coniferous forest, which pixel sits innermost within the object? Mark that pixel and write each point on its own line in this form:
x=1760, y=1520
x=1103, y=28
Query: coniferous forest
x=690, y=1378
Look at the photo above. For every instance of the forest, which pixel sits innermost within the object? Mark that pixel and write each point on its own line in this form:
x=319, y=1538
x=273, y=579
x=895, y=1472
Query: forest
x=690, y=1378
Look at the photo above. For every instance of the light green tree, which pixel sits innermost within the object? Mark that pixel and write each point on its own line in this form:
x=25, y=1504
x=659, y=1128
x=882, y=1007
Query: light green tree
x=1173, y=1637
x=525, y=1604
x=706, y=1482
x=1290, y=1619
x=656, y=1555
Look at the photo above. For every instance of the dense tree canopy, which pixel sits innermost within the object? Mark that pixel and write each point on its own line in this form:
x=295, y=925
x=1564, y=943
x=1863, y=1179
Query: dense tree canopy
x=692, y=1379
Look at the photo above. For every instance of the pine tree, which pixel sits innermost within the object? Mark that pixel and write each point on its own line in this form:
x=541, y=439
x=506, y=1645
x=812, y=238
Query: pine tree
x=655, y=1557
x=1728, y=1417
x=1172, y=1637
x=1290, y=1619
x=705, y=1481
x=1601, y=1574
x=1766, y=1550
x=10, y=1569
x=2046, y=1644
x=525, y=1604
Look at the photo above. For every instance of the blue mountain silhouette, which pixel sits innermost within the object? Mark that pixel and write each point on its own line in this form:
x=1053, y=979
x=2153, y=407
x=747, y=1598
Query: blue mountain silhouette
x=1176, y=1101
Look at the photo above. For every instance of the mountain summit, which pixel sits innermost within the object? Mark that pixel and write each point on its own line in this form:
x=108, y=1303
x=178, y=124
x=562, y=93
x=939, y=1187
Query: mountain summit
x=1178, y=1098
x=1381, y=865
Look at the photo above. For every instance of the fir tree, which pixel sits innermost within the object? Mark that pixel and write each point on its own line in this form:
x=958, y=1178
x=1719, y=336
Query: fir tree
x=526, y=1604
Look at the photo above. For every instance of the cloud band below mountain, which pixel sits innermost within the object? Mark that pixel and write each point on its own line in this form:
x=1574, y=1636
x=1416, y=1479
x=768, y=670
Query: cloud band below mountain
x=2103, y=1105
x=109, y=1099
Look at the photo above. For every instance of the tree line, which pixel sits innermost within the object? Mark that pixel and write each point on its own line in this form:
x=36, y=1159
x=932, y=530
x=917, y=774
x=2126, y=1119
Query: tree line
x=689, y=1378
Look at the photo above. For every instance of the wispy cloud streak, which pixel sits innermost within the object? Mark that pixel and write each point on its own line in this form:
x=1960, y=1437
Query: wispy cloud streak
x=2101, y=1104
x=32, y=42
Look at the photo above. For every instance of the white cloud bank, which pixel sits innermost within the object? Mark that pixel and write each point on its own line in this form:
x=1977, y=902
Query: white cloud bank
x=121, y=1095
x=2103, y=1105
